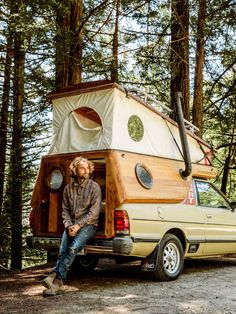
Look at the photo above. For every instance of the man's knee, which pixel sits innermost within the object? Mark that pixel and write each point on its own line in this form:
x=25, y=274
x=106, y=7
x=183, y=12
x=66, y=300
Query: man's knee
x=73, y=250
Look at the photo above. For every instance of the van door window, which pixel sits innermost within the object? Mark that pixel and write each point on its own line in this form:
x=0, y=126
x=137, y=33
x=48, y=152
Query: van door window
x=208, y=196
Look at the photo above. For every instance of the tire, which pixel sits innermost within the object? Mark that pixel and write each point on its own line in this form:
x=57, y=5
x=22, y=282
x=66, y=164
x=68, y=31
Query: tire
x=170, y=260
x=84, y=264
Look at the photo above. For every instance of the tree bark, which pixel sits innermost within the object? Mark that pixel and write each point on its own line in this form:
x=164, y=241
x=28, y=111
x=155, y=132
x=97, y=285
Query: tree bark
x=69, y=44
x=16, y=162
x=114, y=63
x=62, y=47
x=198, y=79
x=180, y=54
x=226, y=172
x=76, y=38
x=4, y=117
x=229, y=159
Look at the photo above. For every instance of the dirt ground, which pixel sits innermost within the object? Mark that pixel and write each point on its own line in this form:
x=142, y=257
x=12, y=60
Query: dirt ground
x=204, y=287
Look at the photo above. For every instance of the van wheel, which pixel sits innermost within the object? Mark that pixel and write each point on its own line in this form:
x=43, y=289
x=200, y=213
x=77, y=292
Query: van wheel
x=170, y=260
x=84, y=264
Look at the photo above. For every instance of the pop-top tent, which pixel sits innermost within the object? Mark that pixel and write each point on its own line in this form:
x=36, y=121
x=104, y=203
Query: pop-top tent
x=103, y=115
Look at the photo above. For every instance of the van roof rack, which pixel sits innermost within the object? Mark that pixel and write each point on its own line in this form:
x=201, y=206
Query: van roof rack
x=150, y=100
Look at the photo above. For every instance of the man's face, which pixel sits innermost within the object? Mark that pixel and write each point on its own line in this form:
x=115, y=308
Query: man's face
x=83, y=170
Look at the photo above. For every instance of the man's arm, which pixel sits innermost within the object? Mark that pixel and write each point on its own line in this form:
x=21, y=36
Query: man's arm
x=94, y=209
x=66, y=217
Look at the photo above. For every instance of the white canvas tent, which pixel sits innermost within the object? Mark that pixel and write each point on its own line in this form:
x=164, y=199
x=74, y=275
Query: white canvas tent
x=96, y=118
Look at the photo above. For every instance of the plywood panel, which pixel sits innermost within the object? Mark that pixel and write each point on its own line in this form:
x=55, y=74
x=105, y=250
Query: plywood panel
x=204, y=171
x=115, y=192
x=37, y=192
x=168, y=186
x=53, y=212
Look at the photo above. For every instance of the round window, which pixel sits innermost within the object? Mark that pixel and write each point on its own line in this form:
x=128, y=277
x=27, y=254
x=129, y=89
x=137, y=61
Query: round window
x=144, y=176
x=135, y=128
x=55, y=180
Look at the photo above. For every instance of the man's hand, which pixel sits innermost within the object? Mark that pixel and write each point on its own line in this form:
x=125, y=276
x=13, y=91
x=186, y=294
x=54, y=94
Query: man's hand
x=73, y=230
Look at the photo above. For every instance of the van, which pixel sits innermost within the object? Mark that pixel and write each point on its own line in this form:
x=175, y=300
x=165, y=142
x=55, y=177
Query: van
x=158, y=205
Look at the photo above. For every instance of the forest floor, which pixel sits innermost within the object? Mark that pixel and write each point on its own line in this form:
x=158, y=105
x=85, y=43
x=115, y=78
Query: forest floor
x=207, y=286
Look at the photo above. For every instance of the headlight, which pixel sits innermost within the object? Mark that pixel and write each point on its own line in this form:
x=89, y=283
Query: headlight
x=55, y=180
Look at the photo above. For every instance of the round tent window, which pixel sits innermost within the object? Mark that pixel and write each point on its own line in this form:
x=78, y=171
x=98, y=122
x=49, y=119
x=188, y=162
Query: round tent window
x=135, y=128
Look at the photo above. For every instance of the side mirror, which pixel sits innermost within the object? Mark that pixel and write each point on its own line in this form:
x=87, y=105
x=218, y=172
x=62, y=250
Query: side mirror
x=233, y=205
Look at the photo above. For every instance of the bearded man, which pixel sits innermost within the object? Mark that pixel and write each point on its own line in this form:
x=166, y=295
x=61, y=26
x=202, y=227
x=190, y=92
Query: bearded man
x=81, y=206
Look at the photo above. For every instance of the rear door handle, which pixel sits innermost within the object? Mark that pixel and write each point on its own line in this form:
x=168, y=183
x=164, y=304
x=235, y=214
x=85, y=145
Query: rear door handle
x=209, y=216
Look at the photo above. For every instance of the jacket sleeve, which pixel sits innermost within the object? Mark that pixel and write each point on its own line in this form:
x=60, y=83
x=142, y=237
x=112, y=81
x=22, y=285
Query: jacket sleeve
x=66, y=216
x=91, y=217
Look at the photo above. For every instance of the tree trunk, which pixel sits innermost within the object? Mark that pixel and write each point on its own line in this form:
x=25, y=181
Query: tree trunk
x=114, y=63
x=15, y=174
x=4, y=117
x=76, y=41
x=69, y=44
x=62, y=48
x=230, y=158
x=198, y=79
x=180, y=54
x=226, y=172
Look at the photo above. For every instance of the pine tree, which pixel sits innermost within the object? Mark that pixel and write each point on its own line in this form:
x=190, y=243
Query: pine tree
x=4, y=115
x=16, y=161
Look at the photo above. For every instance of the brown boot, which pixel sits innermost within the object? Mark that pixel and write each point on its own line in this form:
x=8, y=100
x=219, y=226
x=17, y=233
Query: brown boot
x=48, y=281
x=55, y=289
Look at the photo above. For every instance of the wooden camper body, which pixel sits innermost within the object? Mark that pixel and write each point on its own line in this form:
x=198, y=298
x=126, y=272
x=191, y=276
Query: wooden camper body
x=114, y=153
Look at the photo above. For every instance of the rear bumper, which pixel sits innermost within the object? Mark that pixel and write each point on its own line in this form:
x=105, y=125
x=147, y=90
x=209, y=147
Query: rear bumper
x=115, y=246
x=46, y=243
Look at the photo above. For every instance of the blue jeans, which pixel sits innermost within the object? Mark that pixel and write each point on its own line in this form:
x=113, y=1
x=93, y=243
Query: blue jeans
x=69, y=248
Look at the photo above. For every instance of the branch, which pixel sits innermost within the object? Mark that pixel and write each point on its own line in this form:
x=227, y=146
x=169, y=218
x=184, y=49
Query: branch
x=91, y=13
x=136, y=8
x=230, y=92
x=222, y=74
x=97, y=32
x=220, y=9
x=226, y=145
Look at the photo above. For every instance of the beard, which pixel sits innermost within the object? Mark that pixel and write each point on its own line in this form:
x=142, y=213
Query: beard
x=83, y=177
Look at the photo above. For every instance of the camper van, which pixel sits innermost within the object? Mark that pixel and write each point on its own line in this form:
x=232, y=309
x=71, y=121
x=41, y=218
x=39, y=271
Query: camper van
x=158, y=205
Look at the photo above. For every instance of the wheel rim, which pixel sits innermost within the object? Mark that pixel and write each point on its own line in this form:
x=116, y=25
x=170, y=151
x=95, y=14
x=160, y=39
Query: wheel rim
x=86, y=261
x=171, y=258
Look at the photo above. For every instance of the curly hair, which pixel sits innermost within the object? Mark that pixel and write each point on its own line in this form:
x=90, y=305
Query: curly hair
x=75, y=163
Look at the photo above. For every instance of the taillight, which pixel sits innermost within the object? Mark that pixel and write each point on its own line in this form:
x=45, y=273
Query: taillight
x=31, y=219
x=121, y=222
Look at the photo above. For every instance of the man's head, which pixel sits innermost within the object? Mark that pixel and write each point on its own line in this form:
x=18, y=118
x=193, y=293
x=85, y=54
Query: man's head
x=81, y=168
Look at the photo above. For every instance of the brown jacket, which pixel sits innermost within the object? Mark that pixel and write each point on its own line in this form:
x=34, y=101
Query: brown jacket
x=81, y=203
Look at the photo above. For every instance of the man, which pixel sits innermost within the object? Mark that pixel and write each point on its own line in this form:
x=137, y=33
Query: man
x=80, y=211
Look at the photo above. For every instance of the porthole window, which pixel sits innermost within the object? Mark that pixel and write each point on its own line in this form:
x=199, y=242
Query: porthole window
x=144, y=176
x=55, y=180
x=135, y=128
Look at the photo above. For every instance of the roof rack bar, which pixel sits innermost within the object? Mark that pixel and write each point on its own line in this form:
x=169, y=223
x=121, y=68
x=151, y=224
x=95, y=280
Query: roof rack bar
x=191, y=127
x=148, y=96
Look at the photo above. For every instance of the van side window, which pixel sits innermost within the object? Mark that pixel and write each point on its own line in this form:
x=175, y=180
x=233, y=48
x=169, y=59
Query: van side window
x=208, y=196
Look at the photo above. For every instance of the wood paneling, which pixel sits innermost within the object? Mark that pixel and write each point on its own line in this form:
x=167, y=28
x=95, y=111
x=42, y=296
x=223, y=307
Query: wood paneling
x=54, y=212
x=168, y=186
x=203, y=171
x=115, y=173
